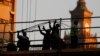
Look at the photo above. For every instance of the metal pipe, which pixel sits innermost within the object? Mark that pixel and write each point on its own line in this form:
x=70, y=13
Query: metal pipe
x=61, y=29
x=48, y=20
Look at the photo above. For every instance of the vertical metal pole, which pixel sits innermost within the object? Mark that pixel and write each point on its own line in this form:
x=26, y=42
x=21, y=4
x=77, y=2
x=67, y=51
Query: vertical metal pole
x=59, y=50
x=60, y=27
x=35, y=9
x=27, y=14
x=11, y=37
x=12, y=18
x=3, y=36
x=22, y=5
x=30, y=16
x=35, y=15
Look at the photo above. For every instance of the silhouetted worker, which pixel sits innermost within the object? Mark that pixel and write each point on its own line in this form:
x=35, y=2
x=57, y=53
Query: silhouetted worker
x=74, y=37
x=25, y=34
x=55, y=43
x=46, y=40
x=23, y=42
x=26, y=40
x=11, y=46
x=55, y=28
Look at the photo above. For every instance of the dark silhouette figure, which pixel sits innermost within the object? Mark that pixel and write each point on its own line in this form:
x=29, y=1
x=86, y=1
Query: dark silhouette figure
x=11, y=47
x=46, y=40
x=55, y=29
x=23, y=42
x=74, y=37
x=57, y=42
x=25, y=35
x=55, y=36
x=26, y=38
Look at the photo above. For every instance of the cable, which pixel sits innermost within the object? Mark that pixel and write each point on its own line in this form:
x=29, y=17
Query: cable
x=27, y=13
x=65, y=24
x=32, y=27
x=61, y=29
x=35, y=14
x=48, y=20
x=35, y=9
x=22, y=14
x=34, y=19
x=30, y=15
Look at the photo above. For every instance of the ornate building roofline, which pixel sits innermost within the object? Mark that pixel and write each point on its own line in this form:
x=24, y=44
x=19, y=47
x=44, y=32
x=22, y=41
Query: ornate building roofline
x=81, y=6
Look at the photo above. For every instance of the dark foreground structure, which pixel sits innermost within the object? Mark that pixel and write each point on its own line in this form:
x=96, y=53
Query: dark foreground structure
x=64, y=52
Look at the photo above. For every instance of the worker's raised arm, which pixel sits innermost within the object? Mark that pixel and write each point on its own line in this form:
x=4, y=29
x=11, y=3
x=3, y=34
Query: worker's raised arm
x=50, y=25
x=41, y=30
x=54, y=23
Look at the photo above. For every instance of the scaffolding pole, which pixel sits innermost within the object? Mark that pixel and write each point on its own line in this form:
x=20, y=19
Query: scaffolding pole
x=3, y=37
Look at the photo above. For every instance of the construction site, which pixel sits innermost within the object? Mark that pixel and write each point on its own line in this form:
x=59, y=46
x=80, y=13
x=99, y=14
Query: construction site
x=79, y=40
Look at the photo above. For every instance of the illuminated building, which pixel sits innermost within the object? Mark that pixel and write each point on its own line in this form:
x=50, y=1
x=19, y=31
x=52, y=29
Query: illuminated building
x=83, y=17
x=7, y=15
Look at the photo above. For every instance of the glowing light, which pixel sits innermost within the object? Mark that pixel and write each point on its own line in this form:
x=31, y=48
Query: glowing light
x=87, y=25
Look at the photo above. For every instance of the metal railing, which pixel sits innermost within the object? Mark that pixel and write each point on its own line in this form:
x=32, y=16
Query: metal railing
x=96, y=43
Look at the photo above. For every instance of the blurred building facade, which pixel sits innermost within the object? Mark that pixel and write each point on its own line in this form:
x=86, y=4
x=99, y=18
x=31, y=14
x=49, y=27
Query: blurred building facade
x=7, y=15
x=82, y=16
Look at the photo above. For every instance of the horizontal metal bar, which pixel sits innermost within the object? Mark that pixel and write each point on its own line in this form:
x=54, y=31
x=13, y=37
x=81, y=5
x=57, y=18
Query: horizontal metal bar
x=59, y=29
x=40, y=45
x=49, y=20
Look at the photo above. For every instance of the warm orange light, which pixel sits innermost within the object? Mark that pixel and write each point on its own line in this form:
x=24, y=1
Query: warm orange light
x=7, y=14
x=87, y=25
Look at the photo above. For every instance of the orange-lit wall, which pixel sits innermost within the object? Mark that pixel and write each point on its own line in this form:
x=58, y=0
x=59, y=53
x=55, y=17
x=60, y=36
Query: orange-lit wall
x=81, y=12
x=87, y=23
x=87, y=31
x=5, y=17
